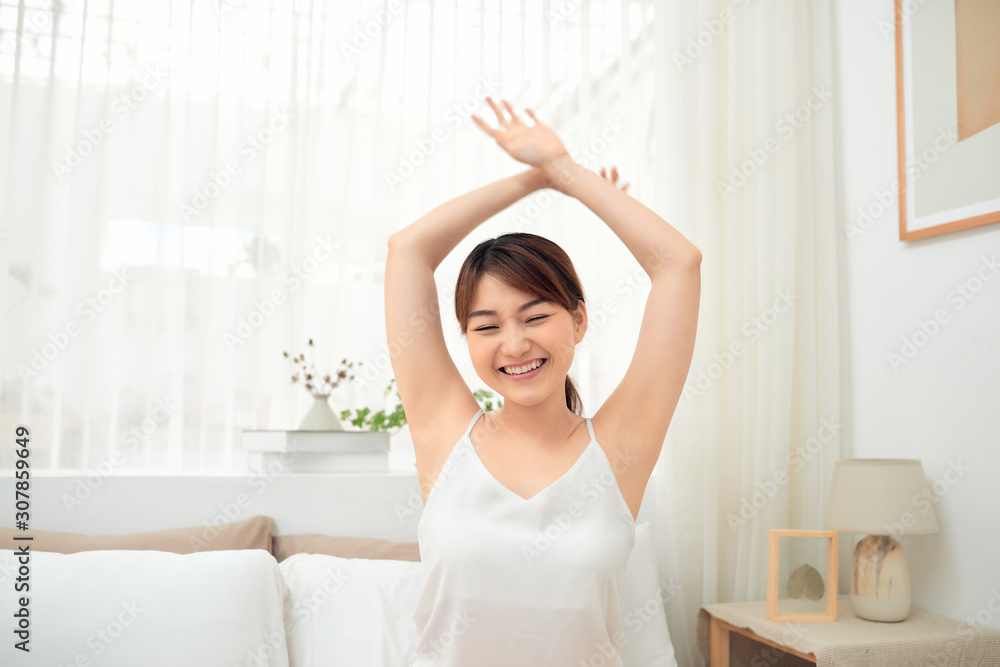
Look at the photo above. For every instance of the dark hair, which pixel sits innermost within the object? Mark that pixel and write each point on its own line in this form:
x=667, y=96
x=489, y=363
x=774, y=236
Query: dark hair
x=527, y=262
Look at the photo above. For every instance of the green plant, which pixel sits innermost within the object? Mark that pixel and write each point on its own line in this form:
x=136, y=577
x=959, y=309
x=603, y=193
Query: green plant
x=382, y=421
x=487, y=395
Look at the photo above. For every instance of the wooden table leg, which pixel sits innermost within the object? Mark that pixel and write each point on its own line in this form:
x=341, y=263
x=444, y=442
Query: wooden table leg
x=718, y=646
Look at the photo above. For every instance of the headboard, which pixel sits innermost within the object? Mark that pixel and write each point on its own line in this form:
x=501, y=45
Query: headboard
x=383, y=505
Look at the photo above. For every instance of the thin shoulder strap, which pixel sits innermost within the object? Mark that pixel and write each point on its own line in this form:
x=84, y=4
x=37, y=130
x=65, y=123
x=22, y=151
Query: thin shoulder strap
x=591, y=429
x=468, y=429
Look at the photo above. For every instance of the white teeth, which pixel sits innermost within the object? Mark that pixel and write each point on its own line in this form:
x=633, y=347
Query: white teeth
x=518, y=370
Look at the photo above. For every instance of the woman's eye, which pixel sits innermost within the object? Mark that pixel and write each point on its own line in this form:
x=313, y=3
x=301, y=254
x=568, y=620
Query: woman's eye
x=532, y=319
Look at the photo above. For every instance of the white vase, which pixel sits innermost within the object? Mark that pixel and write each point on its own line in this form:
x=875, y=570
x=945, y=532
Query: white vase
x=320, y=416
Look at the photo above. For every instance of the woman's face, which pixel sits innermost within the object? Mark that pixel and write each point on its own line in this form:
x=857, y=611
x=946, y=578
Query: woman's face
x=513, y=337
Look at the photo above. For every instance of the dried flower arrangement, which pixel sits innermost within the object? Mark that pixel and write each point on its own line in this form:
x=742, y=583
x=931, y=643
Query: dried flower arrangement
x=307, y=370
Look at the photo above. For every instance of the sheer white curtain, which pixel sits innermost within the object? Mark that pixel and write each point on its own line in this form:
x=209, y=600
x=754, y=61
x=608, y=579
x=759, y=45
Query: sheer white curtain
x=191, y=188
x=746, y=152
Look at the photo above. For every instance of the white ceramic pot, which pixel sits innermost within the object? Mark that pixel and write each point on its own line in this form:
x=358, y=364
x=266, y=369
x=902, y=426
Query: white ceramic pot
x=320, y=416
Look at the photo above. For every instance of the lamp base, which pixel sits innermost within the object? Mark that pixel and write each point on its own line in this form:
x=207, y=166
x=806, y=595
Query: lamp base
x=885, y=611
x=880, y=582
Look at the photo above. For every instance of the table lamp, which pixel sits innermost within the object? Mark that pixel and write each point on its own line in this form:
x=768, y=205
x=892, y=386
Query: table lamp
x=883, y=499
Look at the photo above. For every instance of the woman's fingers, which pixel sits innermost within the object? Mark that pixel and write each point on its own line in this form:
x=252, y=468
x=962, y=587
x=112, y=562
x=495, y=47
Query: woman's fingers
x=514, y=118
x=613, y=178
x=481, y=123
x=500, y=117
x=510, y=110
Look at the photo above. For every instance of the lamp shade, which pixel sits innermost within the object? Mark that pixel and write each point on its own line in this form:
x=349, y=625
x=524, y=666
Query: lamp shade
x=880, y=497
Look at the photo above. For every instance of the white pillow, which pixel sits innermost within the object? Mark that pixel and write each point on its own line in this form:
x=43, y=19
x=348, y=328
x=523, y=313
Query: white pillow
x=357, y=612
x=122, y=608
x=350, y=612
x=644, y=620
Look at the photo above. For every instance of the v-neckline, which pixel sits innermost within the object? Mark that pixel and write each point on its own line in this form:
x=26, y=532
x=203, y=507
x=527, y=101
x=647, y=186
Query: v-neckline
x=468, y=440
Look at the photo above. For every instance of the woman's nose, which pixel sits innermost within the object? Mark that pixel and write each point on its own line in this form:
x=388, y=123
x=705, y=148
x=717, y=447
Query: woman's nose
x=515, y=343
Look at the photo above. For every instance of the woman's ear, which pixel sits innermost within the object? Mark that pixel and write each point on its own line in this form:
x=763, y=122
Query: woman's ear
x=580, y=320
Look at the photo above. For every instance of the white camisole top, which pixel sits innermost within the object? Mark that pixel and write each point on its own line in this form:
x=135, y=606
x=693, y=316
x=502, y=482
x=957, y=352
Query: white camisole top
x=510, y=581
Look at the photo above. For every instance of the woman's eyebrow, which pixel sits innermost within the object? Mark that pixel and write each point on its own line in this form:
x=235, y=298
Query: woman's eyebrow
x=493, y=312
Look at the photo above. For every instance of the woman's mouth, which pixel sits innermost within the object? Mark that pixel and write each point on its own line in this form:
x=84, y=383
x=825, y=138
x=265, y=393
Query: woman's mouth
x=524, y=376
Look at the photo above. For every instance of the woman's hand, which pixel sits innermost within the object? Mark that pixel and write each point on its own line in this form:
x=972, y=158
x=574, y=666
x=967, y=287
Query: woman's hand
x=535, y=144
x=614, y=178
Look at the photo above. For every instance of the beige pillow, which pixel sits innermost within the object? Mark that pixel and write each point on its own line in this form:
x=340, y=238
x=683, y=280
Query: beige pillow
x=252, y=533
x=344, y=547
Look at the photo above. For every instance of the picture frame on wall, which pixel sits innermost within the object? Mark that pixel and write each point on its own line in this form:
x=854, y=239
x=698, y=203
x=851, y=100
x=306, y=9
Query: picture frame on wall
x=801, y=575
x=947, y=115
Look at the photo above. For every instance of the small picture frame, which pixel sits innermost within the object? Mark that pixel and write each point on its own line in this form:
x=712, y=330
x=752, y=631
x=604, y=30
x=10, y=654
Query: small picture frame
x=802, y=575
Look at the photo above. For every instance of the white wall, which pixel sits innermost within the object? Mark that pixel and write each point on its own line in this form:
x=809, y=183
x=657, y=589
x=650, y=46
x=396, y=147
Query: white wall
x=943, y=405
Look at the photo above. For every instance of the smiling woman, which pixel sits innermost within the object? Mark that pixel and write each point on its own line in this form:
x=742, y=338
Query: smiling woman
x=530, y=470
x=524, y=300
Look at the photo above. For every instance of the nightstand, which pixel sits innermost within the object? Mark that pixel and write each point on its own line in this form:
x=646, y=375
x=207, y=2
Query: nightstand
x=922, y=639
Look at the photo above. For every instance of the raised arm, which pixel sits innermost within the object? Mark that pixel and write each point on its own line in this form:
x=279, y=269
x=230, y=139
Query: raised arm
x=436, y=233
x=640, y=409
x=654, y=243
x=642, y=406
x=430, y=386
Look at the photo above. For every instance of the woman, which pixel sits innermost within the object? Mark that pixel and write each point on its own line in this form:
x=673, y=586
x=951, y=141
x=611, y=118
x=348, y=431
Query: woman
x=525, y=542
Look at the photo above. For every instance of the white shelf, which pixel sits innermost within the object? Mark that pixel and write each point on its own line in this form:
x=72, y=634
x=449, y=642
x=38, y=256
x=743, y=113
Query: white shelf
x=327, y=442
x=272, y=451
